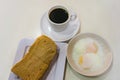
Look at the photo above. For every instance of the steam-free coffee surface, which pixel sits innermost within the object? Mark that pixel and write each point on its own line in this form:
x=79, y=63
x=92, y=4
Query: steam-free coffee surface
x=58, y=15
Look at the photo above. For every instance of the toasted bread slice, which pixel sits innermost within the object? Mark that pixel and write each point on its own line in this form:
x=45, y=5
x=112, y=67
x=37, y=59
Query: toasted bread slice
x=36, y=61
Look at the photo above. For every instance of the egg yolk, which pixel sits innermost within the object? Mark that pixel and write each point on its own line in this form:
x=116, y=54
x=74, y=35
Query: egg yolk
x=91, y=48
x=80, y=60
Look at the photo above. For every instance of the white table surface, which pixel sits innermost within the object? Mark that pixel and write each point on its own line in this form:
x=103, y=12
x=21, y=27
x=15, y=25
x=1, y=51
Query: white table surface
x=21, y=19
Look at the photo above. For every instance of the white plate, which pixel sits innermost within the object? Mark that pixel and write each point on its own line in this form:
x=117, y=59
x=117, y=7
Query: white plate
x=68, y=33
x=56, y=69
x=106, y=49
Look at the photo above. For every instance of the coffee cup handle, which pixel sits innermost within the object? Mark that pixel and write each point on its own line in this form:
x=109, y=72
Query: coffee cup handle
x=73, y=16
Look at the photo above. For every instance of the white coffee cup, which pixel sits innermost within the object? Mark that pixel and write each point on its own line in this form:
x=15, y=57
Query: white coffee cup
x=63, y=22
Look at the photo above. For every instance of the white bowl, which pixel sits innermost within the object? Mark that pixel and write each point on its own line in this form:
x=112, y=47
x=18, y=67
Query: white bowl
x=106, y=49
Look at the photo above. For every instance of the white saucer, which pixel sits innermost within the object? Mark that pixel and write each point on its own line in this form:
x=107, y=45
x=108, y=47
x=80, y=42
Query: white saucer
x=68, y=33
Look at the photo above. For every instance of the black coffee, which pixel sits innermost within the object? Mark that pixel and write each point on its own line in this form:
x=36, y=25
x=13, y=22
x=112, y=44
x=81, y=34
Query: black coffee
x=58, y=15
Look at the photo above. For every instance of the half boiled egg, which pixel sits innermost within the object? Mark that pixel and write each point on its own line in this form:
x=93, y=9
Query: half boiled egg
x=87, y=53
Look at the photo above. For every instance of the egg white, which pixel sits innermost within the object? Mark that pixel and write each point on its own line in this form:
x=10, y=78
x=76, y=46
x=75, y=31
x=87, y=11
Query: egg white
x=80, y=48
